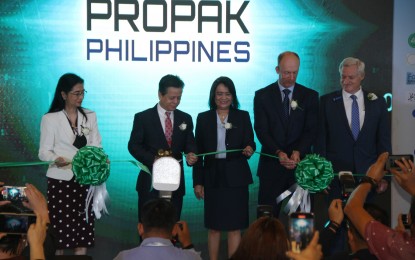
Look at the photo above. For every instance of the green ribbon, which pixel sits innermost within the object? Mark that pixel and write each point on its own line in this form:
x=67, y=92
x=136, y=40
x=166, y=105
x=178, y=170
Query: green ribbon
x=231, y=151
x=142, y=166
x=90, y=166
x=314, y=173
x=22, y=164
x=135, y=163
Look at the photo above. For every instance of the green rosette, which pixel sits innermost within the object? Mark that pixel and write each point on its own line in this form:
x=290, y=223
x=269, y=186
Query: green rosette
x=90, y=166
x=314, y=173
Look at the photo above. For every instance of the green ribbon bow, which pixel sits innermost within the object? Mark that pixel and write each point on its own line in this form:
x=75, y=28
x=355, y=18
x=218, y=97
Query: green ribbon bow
x=90, y=166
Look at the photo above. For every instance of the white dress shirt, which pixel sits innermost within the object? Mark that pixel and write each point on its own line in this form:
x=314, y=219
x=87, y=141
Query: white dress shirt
x=347, y=100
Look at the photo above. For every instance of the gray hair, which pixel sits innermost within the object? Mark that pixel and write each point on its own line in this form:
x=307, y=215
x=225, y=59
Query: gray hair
x=350, y=61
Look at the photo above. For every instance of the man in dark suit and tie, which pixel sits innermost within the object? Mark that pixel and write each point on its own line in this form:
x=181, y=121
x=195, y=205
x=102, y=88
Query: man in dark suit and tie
x=286, y=126
x=353, y=125
x=167, y=128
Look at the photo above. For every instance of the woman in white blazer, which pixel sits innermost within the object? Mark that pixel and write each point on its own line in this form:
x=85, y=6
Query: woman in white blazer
x=65, y=129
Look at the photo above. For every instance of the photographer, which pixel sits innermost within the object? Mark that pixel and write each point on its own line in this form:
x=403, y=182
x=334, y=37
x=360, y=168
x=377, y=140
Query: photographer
x=266, y=238
x=383, y=242
x=358, y=245
x=40, y=237
x=157, y=226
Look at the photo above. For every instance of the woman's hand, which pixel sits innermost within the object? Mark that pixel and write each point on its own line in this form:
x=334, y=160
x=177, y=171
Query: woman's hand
x=61, y=162
x=248, y=151
x=311, y=252
x=405, y=175
x=36, y=202
x=376, y=171
x=36, y=236
x=199, y=192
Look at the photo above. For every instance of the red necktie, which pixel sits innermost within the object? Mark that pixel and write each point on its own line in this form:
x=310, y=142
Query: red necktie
x=168, y=128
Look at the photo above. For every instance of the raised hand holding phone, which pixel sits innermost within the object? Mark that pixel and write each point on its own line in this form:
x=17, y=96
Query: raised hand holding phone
x=301, y=230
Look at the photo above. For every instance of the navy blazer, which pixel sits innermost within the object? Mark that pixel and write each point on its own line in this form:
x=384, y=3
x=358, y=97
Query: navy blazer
x=239, y=136
x=274, y=133
x=147, y=137
x=336, y=141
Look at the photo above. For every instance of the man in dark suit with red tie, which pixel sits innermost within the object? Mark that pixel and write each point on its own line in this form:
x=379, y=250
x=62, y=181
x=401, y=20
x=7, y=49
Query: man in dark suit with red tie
x=286, y=126
x=353, y=125
x=162, y=127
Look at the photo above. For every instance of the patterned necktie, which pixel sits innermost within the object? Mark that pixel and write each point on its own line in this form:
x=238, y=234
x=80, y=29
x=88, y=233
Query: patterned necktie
x=286, y=103
x=355, y=117
x=168, y=132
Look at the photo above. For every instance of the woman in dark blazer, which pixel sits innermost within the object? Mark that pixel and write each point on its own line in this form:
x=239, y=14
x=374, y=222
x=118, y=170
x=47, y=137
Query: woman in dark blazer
x=222, y=179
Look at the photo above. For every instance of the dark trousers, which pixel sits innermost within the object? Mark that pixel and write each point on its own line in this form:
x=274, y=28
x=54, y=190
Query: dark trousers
x=271, y=188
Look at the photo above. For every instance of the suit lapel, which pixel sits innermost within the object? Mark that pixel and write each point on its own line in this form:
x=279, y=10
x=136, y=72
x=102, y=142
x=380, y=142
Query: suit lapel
x=177, y=121
x=212, y=126
x=368, y=110
x=64, y=123
x=298, y=95
x=158, y=128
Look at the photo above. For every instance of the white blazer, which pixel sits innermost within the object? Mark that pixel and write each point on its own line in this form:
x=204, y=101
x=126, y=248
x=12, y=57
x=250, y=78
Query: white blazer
x=57, y=137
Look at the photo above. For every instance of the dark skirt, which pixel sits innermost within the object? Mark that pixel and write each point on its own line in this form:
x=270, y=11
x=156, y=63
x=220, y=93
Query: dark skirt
x=226, y=208
x=66, y=203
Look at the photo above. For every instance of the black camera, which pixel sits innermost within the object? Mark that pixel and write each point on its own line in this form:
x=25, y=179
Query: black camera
x=347, y=184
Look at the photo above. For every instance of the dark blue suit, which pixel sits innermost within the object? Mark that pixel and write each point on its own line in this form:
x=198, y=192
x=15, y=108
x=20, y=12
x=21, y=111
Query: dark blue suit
x=298, y=133
x=225, y=181
x=336, y=143
x=147, y=137
x=240, y=136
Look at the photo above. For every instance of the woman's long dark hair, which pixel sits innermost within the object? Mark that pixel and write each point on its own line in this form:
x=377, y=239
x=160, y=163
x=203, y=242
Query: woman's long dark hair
x=231, y=87
x=66, y=83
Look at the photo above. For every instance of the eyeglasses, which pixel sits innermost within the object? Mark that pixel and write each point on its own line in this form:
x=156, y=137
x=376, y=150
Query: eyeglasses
x=78, y=93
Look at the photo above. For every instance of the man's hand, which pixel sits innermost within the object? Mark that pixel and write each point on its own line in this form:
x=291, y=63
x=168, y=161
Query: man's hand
x=248, y=151
x=182, y=231
x=199, y=192
x=285, y=161
x=336, y=212
x=295, y=156
x=400, y=226
x=191, y=158
x=405, y=175
x=312, y=251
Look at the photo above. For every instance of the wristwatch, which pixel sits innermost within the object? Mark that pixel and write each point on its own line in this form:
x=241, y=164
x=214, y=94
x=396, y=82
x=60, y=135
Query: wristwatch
x=367, y=179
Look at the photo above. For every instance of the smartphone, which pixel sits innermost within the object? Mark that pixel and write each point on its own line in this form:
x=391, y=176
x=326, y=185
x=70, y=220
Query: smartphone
x=264, y=211
x=14, y=193
x=301, y=230
x=347, y=184
x=390, y=163
x=11, y=223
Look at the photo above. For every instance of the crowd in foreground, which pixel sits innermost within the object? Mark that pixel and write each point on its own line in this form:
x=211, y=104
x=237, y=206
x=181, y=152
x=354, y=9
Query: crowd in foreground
x=369, y=235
